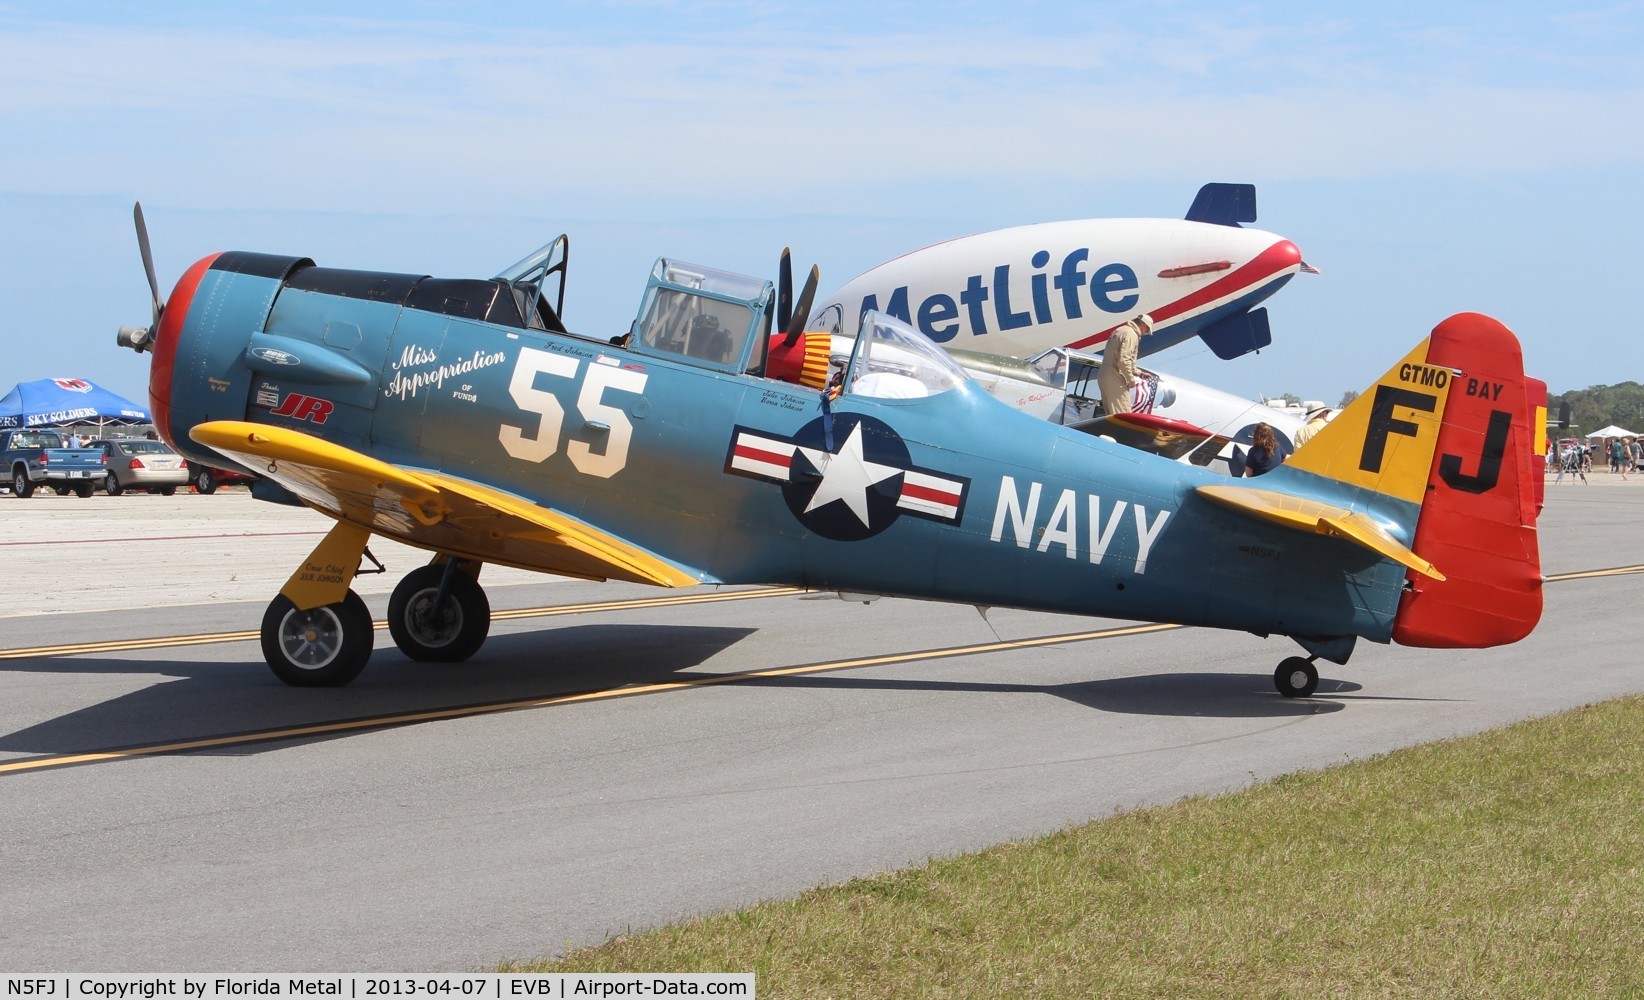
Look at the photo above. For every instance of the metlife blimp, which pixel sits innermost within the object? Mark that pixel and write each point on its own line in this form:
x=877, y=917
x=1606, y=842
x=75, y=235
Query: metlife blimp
x=1019, y=291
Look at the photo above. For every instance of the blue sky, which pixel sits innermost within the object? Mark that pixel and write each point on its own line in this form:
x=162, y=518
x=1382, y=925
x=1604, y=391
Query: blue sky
x=1429, y=158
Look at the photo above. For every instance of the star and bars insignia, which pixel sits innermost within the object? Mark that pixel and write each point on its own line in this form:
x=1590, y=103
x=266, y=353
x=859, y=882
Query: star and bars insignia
x=854, y=489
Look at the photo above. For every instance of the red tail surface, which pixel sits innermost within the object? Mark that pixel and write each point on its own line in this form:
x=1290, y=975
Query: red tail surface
x=1478, y=518
x=1537, y=390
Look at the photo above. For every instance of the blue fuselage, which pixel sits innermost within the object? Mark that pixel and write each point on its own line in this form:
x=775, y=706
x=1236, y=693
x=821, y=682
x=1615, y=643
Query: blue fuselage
x=736, y=478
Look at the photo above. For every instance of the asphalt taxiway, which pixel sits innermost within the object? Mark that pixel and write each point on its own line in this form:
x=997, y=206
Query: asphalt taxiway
x=620, y=756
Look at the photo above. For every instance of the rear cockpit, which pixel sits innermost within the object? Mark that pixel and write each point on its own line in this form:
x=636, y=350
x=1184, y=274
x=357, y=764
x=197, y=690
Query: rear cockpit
x=704, y=316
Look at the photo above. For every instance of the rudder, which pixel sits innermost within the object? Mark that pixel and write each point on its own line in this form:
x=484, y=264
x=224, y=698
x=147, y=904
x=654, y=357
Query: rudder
x=1478, y=519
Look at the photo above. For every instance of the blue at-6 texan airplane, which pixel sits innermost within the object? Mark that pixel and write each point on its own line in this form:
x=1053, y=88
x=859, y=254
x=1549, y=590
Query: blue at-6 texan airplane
x=462, y=417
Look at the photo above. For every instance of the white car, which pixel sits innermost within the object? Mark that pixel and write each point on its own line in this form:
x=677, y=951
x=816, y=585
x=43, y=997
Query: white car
x=142, y=464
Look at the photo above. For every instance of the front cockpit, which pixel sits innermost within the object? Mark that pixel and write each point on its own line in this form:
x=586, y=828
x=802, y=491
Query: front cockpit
x=529, y=280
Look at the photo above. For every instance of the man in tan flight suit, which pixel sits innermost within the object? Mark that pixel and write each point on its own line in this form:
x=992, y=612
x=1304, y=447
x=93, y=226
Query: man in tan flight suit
x=1118, y=372
x=1317, y=417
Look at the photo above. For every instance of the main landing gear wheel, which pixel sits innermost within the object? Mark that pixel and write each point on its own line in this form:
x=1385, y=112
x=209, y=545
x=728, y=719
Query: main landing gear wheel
x=1296, y=677
x=450, y=633
x=322, y=647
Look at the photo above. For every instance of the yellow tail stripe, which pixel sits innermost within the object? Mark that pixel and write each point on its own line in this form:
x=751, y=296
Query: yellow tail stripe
x=1384, y=440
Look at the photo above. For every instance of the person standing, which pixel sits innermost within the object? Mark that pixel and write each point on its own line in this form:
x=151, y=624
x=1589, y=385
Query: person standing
x=1118, y=374
x=1263, y=456
x=1317, y=417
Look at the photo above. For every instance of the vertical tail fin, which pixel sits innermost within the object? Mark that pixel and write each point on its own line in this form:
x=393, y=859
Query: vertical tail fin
x=1449, y=430
x=1480, y=515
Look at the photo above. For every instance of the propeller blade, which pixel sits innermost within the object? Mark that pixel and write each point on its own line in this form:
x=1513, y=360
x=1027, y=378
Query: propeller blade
x=148, y=261
x=784, y=291
x=802, y=310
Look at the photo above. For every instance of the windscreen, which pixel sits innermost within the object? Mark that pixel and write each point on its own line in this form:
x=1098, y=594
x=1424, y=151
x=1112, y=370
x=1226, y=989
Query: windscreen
x=894, y=361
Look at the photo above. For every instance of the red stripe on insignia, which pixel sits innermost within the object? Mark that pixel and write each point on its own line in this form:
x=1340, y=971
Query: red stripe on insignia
x=929, y=495
x=760, y=455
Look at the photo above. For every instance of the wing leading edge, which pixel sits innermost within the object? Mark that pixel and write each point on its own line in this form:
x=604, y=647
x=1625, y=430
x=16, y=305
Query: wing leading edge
x=435, y=511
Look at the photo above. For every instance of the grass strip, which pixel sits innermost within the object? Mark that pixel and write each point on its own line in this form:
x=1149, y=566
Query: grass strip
x=1507, y=864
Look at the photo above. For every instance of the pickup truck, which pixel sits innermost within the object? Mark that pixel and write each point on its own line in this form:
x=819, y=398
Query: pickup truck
x=35, y=458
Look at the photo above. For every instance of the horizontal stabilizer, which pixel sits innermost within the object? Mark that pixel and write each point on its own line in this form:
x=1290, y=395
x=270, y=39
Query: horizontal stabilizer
x=1224, y=204
x=432, y=510
x=1239, y=334
x=1300, y=514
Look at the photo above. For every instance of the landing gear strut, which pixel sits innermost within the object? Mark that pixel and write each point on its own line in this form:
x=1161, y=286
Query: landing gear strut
x=317, y=632
x=439, y=614
x=1296, y=677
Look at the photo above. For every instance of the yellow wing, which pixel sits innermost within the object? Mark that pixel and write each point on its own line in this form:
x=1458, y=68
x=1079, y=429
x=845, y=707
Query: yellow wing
x=1320, y=518
x=434, y=511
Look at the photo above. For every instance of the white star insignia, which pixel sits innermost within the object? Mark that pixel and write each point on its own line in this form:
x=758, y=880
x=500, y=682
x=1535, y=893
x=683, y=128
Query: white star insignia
x=847, y=476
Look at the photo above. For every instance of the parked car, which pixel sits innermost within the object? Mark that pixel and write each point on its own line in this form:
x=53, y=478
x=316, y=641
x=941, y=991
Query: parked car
x=205, y=479
x=142, y=464
x=35, y=458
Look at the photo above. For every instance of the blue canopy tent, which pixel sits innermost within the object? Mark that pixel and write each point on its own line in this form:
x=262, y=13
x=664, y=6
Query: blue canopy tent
x=50, y=402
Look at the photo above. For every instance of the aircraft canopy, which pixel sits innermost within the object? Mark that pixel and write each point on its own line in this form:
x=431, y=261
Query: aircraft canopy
x=891, y=359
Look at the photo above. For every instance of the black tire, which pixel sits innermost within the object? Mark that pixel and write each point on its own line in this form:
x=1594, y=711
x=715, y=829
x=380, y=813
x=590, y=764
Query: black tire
x=61, y=491
x=205, y=482
x=325, y=647
x=1296, y=678
x=21, y=487
x=111, y=483
x=167, y=491
x=83, y=490
x=457, y=634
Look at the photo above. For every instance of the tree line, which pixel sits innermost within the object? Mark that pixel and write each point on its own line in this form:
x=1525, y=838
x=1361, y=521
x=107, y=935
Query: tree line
x=1597, y=407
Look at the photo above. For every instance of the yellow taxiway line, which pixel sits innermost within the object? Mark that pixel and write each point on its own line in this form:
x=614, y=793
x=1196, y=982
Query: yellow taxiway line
x=605, y=694
x=628, y=691
x=249, y=635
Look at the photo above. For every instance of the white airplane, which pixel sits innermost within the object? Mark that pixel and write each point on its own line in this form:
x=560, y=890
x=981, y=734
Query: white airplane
x=1170, y=416
x=1022, y=290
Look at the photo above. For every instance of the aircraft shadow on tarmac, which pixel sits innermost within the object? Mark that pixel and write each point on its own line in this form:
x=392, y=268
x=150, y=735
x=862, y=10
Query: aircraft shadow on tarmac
x=213, y=697
x=1200, y=695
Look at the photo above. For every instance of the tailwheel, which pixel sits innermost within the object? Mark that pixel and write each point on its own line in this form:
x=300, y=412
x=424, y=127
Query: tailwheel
x=1296, y=677
x=325, y=646
x=433, y=629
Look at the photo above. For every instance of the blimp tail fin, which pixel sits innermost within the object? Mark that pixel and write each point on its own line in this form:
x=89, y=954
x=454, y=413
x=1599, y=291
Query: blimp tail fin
x=1224, y=204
